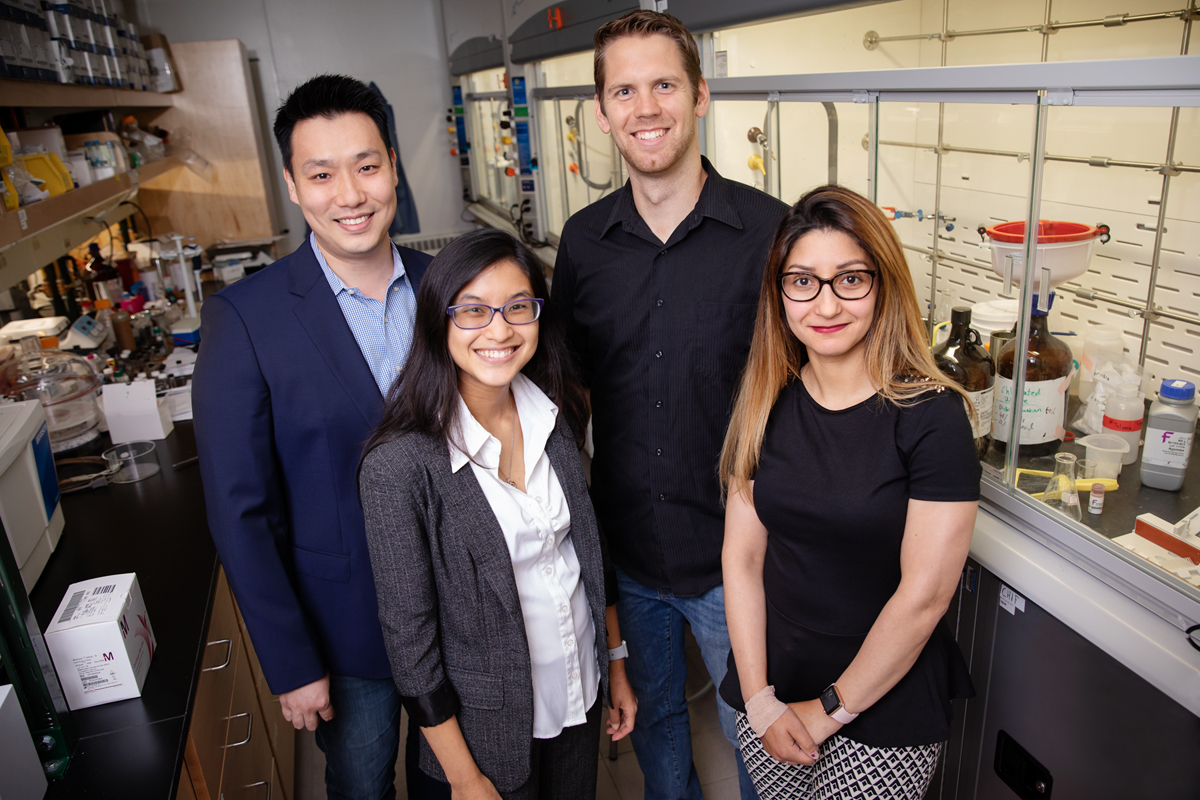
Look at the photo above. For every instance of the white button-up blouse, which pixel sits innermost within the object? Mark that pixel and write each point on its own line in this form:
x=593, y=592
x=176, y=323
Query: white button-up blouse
x=537, y=529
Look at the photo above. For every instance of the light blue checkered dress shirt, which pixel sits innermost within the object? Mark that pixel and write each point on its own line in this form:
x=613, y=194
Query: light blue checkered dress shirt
x=384, y=332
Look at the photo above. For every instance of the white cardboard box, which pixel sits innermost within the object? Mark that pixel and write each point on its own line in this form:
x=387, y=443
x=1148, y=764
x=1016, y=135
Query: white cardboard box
x=101, y=641
x=21, y=776
x=134, y=414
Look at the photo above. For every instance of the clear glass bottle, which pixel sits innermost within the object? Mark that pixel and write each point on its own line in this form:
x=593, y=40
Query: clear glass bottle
x=1061, y=493
x=965, y=361
x=1047, y=381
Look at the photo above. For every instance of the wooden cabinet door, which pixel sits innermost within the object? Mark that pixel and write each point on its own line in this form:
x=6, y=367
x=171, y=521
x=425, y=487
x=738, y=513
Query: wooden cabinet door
x=185, y=791
x=249, y=764
x=280, y=732
x=214, y=691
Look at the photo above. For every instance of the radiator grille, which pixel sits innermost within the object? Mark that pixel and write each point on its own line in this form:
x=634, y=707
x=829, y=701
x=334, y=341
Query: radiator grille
x=427, y=243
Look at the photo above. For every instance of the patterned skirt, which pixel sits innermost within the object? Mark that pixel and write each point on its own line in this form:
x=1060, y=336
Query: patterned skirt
x=845, y=770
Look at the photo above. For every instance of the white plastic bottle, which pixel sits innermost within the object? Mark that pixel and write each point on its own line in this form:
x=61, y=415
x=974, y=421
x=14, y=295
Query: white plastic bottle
x=1123, y=412
x=1103, y=343
x=1170, y=428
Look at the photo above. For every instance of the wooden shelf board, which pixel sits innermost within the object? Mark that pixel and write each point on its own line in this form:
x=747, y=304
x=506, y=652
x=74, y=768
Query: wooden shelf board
x=55, y=210
x=65, y=95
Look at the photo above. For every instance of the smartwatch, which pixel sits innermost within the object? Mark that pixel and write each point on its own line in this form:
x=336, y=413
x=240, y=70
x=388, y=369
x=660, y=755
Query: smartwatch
x=617, y=653
x=831, y=700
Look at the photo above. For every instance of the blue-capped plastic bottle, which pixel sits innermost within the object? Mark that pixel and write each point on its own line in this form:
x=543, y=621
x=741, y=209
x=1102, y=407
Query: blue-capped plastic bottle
x=1170, y=429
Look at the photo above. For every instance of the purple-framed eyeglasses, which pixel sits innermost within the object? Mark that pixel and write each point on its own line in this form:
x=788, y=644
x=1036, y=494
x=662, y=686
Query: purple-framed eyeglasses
x=472, y=316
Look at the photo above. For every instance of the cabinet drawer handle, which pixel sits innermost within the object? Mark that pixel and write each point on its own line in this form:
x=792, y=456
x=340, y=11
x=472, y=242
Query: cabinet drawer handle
x=1193, y=636
x=249, y=728
x=228, y=654
x=260, y=783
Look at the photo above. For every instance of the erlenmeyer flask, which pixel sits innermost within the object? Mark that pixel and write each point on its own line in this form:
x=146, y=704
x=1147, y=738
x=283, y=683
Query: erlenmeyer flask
x=1061, y=492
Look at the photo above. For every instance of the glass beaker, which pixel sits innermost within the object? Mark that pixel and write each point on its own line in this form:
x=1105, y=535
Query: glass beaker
x=1061, y=493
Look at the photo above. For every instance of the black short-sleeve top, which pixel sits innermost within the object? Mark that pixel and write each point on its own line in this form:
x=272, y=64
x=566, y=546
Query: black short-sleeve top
x=832, y=490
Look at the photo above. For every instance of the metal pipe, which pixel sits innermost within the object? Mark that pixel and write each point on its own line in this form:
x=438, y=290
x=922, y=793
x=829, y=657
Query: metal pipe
x=1086, y=294
x=1021, y=355
x=931, y=319
x=562, y=158
x=1162, y=206
x=1096, y=161
x=1117, y=20
x=831, y=114
x=1046, y=32
x=937, y=206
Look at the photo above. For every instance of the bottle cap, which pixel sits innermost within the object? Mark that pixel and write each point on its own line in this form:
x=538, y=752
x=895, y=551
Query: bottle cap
x=1127, y=390
x=960, y=315
x=1038, y=312
x=1097, y=488
x=1177, y=390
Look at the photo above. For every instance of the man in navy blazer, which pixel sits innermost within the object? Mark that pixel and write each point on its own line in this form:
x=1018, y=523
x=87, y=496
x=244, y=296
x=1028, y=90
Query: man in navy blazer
x=294, y=363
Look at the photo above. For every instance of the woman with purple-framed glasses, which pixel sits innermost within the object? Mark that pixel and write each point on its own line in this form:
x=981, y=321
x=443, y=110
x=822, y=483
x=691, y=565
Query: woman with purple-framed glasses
x=492, y=577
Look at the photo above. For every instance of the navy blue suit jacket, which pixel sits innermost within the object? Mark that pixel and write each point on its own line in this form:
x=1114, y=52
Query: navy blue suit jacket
x=283, y=402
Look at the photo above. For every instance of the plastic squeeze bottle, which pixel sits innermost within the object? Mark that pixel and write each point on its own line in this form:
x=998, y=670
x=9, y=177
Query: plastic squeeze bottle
x=1170, y=428
x=1123, y=414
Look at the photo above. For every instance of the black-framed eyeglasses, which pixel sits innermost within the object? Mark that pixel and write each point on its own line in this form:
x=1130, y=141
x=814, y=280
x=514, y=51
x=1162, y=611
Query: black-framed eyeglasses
x=802, y=287
x=471, y=316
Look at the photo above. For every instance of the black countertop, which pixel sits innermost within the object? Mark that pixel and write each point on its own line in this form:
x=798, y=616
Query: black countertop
x=157, y=528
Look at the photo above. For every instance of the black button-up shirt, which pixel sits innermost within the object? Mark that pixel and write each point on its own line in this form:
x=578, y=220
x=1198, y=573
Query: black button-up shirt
x=661, y=332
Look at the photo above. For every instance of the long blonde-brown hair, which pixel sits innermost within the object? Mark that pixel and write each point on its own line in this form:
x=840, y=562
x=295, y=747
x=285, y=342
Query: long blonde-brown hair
x=898, y=360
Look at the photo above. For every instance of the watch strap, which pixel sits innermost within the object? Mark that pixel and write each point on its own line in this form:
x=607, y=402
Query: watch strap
x=831, y=700
x=617, y=653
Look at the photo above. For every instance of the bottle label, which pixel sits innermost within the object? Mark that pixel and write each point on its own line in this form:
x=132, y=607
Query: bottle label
x=1042, y=411
x=1167, y=448
x=1122, y=425
x=982, y=401
x=1095, y=503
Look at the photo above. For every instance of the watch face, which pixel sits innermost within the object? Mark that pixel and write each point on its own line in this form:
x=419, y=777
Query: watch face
x=830, y=700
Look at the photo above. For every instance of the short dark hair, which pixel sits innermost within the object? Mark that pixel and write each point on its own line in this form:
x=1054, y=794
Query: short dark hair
x=643, y=23
x=328, y=96
x=424, y=398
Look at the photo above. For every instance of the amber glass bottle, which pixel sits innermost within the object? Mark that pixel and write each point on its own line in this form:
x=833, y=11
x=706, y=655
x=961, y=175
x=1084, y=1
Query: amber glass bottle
x=1047, y=381
x=965, y=361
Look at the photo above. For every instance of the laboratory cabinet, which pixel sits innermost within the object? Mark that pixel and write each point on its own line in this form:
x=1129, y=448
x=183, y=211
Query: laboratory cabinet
x=1055, y=715
x=238, y=743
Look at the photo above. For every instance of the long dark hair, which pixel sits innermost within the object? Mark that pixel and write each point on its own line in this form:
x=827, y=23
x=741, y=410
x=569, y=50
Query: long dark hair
x=424, y=398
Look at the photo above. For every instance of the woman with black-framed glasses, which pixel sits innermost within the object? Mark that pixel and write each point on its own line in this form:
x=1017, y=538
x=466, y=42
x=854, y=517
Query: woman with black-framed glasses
x=492, y=578
x=851, y=490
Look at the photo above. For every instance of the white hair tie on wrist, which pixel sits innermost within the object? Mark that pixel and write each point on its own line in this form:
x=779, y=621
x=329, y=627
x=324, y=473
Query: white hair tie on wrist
x=763, y=709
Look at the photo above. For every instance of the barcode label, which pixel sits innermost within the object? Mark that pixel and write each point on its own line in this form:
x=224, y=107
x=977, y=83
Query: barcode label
x=104, y=589
x=71, y=606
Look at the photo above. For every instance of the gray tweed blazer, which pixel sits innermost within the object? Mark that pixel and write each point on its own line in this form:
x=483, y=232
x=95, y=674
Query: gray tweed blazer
x=448, y=599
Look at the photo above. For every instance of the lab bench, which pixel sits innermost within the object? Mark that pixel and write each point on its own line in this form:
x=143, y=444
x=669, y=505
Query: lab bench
x=158, y=529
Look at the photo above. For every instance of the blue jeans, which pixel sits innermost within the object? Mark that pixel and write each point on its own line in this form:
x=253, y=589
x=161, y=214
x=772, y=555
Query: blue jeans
x=652, y=623
x=362, y=740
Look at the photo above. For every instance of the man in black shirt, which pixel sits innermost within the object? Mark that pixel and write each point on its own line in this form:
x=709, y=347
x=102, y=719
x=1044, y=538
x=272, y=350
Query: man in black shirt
x=659, y=283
